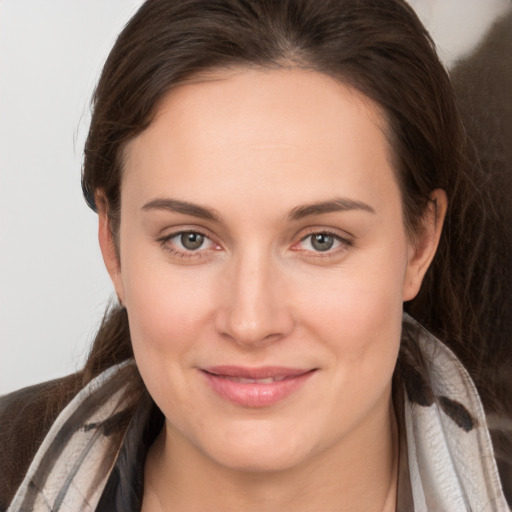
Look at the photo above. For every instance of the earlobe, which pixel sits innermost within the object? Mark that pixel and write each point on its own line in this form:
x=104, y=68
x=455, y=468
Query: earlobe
x=108, y=247
x=422, y=252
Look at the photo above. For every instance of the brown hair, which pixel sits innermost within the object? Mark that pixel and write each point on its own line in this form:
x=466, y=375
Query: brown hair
x=380, y=48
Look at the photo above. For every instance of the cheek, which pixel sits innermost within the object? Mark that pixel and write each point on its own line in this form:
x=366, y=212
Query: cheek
x=362, y=330
x=358, y=315
x=365, y=294
x=166, y=320
x=167, y=310
x=360, y=327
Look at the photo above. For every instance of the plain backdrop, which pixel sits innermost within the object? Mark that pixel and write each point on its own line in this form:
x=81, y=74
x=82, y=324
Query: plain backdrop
x=53, y=287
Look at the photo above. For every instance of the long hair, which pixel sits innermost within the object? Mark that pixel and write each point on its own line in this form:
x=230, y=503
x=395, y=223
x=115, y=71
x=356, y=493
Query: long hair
x=378, y=47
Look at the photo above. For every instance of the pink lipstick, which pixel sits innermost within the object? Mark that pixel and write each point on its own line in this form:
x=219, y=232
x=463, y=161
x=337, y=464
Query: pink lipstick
x=255, y=387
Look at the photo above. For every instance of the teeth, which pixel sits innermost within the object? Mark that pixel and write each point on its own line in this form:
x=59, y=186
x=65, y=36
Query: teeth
x=268, y=380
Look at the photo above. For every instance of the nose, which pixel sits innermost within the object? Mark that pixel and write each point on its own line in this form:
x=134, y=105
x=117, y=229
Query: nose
x=255, y=307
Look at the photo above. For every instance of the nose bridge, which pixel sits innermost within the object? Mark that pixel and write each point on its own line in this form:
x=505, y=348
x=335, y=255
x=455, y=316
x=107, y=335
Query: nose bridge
x=256, y=311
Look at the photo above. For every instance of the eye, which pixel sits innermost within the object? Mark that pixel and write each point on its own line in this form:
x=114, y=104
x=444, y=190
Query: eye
x=187, y=244
x=320, y=242
x=190, y=241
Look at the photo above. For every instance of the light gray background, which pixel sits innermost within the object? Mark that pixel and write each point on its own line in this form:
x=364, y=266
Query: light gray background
x=53, y=287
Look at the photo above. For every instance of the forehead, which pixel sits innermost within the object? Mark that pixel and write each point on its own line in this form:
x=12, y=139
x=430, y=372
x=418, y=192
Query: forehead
x=290, y=130
x=295, y=95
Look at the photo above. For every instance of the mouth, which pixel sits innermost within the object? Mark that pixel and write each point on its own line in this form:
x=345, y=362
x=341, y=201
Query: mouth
x=267, y=380
x=256, y=387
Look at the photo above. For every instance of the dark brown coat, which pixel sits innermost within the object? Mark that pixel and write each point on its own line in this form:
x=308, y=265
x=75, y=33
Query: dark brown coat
x=25, y=418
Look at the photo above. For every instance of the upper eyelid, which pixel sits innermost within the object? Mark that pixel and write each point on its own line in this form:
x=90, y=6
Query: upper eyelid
x=345, y=243
x=166, y=238
x=200, y=231
x=342, y=240
x=183, y=252
x=337, y=233
x=346, y=238
x=323, y=232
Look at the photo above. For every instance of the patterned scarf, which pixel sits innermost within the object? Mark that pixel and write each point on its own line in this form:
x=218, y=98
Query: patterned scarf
x=446, y=452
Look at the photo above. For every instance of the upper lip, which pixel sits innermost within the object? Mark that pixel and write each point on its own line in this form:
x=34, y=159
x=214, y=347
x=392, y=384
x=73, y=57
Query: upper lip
x=263, y=372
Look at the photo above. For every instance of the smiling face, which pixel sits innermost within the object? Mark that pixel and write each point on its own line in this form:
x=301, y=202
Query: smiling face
x=263, y=264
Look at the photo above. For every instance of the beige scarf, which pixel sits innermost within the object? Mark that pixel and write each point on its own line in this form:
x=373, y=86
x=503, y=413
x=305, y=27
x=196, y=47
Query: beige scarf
x=450, y=458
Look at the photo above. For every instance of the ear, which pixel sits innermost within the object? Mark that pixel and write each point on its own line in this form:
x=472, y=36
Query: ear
x=107, y=245
x=422, y=250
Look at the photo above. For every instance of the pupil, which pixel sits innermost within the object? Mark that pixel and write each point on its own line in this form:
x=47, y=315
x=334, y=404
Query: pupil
x=192, y=241
x=322, y=242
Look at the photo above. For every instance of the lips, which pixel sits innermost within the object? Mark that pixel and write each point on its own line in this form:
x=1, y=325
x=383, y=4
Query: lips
x=256, y=387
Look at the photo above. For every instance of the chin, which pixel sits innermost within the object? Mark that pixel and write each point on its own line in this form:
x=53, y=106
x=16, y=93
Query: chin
x=264, y=459
x=257, y=450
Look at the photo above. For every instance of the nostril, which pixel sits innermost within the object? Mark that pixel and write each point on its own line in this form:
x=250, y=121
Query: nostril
x=267, y=330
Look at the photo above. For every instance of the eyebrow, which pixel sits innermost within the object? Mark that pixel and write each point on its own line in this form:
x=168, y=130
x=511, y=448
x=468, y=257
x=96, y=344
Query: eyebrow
x=298, y=213
x=184, y=207
x=335, y=205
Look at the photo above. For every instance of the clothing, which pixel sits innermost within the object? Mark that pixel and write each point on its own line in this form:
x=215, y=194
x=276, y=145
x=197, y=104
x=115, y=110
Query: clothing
x=93, y=456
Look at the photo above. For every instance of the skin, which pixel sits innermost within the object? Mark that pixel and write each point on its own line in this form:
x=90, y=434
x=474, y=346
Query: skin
x=253, y=147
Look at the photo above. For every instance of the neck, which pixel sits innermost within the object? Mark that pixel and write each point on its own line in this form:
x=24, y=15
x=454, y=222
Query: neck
x=351, y=476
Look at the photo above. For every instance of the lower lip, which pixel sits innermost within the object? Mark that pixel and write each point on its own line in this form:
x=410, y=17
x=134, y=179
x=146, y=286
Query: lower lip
x=254, y=394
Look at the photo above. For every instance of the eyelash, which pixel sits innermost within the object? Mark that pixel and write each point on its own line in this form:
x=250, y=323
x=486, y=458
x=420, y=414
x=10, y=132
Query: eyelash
x=185, y=254
x=345, y=243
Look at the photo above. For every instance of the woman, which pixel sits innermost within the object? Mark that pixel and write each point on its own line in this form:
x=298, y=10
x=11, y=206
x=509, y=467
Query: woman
x=271, y=180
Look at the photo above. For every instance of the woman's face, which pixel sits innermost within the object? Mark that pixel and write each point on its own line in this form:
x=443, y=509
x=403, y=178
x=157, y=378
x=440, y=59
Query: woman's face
x=263, y=264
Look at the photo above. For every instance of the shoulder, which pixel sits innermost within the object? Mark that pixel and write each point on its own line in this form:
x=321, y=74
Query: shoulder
x=26, y=416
